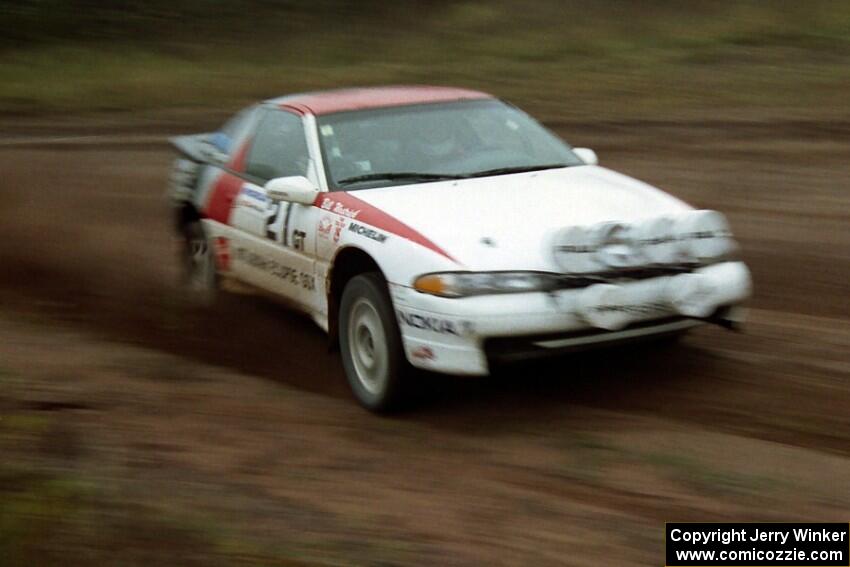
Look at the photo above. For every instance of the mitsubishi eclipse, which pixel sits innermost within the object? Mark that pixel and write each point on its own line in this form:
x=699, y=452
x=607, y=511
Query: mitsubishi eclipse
x=444, y=229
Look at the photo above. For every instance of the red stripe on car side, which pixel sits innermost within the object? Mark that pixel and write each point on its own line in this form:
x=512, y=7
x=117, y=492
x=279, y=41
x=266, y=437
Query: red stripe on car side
x=222, y=194
x=225, y=188
x=347, y=205
x=237, y=162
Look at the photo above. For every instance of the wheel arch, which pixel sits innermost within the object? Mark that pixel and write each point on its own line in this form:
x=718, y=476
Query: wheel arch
x=348, y=262
x=185, y=213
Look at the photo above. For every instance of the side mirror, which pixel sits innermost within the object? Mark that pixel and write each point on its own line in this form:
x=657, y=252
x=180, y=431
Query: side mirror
x=587, y=155
x=296, y=189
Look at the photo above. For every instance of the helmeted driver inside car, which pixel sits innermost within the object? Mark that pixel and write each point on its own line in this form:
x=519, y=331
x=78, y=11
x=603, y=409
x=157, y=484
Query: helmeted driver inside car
x=438, y=141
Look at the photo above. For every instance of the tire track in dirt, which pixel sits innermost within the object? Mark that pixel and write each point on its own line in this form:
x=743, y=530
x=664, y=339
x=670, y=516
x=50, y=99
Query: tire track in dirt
x=86, y=235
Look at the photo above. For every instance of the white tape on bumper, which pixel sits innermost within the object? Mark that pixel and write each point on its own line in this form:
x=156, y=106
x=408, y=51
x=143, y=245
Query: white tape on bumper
x=602, y=305
x=698, y=295
x=692, y=295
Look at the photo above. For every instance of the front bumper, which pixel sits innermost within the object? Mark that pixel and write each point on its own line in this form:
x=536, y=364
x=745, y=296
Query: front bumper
x=463, y=336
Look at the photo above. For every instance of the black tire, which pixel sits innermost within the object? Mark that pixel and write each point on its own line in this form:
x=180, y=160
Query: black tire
x=198, y=279
x=367, y=317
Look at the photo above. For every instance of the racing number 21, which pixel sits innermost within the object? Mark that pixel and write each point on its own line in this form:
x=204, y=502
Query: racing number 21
x=272, y=215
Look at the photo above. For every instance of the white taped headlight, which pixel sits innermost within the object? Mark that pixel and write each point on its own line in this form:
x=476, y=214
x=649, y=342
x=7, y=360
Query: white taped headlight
x=689, y=237
x=617, y=248
x=704, y=235
x=657, y=241
x=575, y=250
x=604, y=246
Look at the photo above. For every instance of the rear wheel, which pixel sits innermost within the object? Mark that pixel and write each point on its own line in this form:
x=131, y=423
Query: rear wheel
x=199, y=279
x=370, y=344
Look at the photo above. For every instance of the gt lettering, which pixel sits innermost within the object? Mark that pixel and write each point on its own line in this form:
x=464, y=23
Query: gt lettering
x=298, y=237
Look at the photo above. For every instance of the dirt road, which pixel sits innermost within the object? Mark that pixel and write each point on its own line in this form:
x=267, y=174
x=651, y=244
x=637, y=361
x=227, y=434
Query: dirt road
x=238, y=423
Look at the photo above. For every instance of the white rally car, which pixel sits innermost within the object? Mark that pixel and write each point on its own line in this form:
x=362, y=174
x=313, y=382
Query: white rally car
x=442, y=228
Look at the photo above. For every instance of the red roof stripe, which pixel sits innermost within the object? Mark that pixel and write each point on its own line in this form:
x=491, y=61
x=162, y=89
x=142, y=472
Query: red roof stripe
x=326, y=102
x=347, y=205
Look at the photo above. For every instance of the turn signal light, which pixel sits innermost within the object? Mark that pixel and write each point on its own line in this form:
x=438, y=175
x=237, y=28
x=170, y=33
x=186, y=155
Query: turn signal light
x=432, y=283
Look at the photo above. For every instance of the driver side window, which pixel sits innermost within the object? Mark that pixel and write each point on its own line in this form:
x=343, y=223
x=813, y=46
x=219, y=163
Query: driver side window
x=279, y=148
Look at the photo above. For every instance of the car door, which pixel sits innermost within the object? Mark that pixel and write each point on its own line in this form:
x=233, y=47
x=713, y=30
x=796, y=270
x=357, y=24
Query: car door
x=273, y=244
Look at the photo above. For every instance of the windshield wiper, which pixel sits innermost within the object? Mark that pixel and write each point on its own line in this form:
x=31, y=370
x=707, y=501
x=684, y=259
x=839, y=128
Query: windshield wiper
x=391, y=176
x=398, y=175
x=514, y=169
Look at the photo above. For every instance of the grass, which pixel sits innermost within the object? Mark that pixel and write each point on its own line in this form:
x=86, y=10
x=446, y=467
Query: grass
x=561, y=60
x=52, y=513
x=57, y=517
x=16, y=425
x=589, y=458
x=708, y=479
x=60, y=517
x=87, y=506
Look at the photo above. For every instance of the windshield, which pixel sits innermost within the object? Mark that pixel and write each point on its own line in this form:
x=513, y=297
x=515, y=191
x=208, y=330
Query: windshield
x=432, y=142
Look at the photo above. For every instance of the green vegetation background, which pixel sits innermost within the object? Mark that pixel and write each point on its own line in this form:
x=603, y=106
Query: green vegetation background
x=567, y=59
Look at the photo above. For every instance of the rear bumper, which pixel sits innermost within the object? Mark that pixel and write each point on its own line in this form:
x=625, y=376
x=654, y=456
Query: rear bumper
x=463, y=336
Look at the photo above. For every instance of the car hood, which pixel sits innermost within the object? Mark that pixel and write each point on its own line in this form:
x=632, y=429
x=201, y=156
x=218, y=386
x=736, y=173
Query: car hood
x=507, y=222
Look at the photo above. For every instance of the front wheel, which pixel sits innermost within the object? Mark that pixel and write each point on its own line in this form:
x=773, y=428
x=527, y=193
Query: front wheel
x=372, y=354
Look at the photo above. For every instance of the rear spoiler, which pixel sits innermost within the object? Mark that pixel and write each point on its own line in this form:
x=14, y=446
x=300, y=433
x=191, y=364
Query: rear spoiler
x=203, y=148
